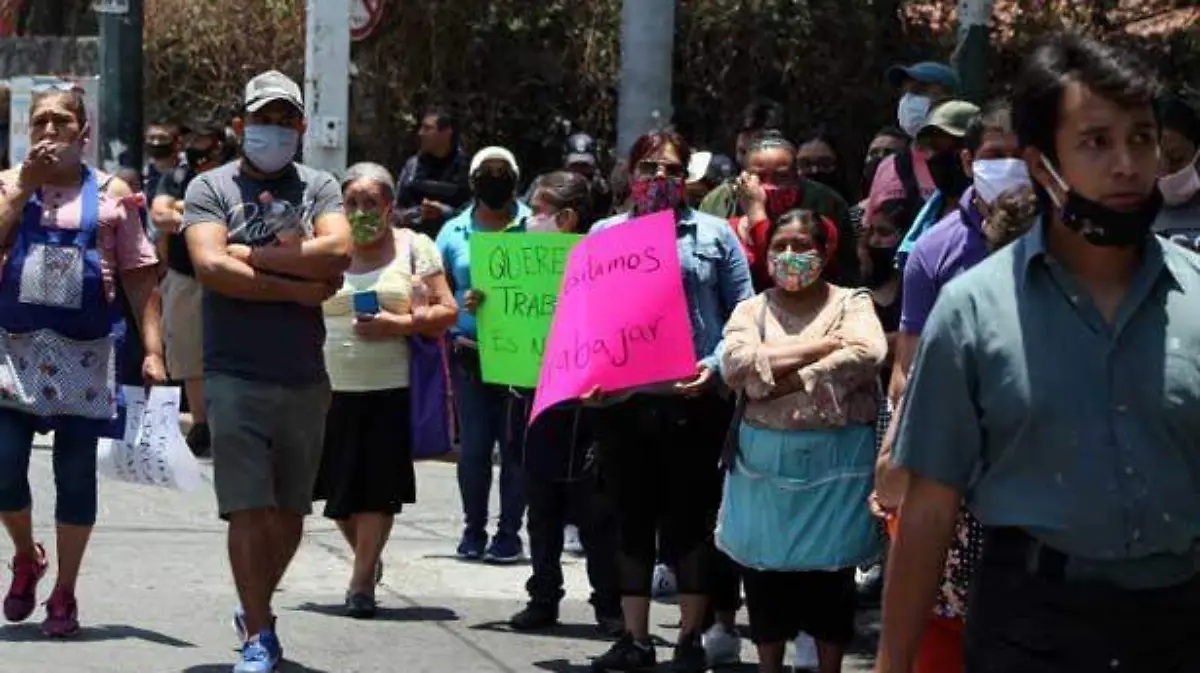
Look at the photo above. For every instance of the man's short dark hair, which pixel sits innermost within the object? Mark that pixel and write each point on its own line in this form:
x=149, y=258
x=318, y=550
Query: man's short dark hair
x=1069, y=57
x=206, y=129
x=996, y=117
x=445, y=119
x=761, y=115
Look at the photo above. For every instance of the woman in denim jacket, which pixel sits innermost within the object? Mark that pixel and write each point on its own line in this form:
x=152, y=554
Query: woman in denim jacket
x=659, y=446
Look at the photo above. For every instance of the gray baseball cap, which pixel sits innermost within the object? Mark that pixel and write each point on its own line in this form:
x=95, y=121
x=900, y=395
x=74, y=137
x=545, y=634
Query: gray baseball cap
x=271, y=86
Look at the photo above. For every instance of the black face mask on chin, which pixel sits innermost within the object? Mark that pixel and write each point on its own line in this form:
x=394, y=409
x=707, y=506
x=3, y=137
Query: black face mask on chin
x=1097, y=223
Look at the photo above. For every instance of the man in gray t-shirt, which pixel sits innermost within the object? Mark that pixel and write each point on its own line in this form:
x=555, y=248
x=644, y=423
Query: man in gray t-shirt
x=269, y=242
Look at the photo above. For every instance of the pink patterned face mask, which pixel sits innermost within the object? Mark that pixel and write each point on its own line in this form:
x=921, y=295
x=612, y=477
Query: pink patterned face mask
x=794, y=271
x=651, y=195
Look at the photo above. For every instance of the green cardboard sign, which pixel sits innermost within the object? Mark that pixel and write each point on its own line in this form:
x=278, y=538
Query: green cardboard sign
x=519, y=275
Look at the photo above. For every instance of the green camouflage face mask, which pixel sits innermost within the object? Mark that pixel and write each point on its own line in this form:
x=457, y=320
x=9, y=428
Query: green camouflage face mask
x=365, y=226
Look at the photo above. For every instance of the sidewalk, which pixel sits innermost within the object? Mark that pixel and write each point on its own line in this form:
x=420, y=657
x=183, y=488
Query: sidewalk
x=156, y=596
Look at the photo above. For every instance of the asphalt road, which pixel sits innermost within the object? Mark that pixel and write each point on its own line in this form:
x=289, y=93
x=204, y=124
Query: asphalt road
x=155, y=597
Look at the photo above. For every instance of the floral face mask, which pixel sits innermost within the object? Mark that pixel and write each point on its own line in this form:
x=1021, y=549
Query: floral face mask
x=794, y=271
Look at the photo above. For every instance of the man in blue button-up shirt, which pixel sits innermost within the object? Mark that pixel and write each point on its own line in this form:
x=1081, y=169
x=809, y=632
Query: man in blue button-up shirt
x=1057, y=386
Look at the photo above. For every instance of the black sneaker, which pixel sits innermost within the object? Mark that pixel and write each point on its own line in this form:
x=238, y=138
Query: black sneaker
x=689, y=656
x=611, y=625
x=534, y=617
x=360, y=606
x=627, y=656
x=200, y=441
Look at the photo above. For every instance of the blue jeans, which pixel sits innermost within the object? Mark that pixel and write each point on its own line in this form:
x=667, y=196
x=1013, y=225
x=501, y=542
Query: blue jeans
x=74, y=468
x=484, y=422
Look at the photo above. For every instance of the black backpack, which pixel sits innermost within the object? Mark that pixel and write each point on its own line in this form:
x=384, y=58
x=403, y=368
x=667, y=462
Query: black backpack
x=908, y=179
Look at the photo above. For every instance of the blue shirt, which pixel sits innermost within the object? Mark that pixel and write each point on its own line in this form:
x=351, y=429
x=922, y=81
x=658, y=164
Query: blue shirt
x=716, y=276
x=1083, y=433
x=928, y=216
x=454, y=245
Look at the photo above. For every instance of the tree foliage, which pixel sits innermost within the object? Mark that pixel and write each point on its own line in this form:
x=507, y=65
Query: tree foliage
x=524, y=73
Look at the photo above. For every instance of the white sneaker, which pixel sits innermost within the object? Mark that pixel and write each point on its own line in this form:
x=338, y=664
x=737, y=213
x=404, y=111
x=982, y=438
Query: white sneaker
x=806, y=653
x=571, y=541
x=663, y=583
x=721, y=647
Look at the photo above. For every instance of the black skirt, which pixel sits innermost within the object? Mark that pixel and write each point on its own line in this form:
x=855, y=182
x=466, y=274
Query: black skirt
x=367, y=464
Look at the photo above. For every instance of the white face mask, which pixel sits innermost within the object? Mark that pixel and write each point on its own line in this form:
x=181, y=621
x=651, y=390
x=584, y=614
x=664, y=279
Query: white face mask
x=912, y=111
x=1179, y=187
x=994, y=177
x=542, y=224
x=270, y=147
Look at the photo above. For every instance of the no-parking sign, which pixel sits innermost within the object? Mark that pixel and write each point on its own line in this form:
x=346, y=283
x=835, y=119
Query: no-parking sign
x=364, y=18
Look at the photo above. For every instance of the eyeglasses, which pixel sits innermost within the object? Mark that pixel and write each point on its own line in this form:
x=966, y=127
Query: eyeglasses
x=650, y=168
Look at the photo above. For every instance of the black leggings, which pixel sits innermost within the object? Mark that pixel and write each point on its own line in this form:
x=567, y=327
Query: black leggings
x=659, y=459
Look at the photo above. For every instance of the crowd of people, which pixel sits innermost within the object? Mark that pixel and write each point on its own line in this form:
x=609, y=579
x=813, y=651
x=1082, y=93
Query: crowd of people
x=979, y=360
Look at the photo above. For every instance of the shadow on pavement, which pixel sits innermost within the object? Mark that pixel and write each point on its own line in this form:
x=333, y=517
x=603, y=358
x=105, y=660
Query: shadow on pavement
x=571, y=631
x=564, y=666
x=284, y=667
x=22, y=633
x=524, y=561
x=419, y=613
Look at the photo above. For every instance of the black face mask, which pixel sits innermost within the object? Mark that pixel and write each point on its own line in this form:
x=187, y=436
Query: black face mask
x=158, y=151
x=883, y=265
x=198, y=157
x=831, y=179
x=1102, y=226
x=495, y=191
x=948, y=175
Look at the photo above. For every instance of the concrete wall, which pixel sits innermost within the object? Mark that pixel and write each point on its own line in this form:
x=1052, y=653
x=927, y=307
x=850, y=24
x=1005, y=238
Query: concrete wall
x=78, y=56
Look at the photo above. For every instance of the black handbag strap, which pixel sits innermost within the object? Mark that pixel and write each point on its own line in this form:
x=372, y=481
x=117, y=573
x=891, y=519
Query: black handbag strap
x=731, y=447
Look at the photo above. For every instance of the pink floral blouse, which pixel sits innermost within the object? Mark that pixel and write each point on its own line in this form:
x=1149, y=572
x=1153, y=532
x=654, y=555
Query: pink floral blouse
x=838, y=390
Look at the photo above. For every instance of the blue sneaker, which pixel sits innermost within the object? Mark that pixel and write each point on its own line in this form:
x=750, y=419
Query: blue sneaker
x=239, y=628
x=257, y=656
x=504, y=549
x=470, y=548
x=270, y=641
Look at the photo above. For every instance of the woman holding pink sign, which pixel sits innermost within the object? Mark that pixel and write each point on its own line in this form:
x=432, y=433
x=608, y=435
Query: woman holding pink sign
x=804, y=358
x=659, y=446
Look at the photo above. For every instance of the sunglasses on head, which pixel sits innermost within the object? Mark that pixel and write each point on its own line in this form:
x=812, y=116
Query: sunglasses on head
x=61, y=87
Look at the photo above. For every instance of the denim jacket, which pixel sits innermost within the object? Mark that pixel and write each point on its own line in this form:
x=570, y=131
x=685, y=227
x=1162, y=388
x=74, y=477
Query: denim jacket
x=715, y=276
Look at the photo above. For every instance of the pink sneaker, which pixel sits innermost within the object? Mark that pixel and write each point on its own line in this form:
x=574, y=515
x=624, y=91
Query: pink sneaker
x=62, y=616
x=22, y=595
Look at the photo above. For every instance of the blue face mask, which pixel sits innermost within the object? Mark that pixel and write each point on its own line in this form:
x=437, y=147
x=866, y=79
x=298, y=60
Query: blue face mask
x=269, y=147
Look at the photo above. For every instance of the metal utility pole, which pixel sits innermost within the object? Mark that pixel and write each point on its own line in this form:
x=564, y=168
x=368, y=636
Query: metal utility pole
x=327, y=84
x=971, y=56
x=119, y=136
x=647, y=51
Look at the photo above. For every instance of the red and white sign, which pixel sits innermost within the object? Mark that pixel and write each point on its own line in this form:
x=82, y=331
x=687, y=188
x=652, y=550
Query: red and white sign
x=364, y=18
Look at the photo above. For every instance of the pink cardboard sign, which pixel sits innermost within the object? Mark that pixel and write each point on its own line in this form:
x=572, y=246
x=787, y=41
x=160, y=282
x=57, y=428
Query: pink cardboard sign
x=622, y=319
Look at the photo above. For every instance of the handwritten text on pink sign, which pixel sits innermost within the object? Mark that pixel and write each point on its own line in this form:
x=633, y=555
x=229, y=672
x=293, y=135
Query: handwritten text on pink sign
x=622, y=320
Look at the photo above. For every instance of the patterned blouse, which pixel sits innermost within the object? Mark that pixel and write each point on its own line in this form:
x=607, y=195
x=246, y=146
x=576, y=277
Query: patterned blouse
x=837, y=390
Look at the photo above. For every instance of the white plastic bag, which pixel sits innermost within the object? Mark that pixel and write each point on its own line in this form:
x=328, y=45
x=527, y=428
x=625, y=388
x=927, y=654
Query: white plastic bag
x=153, y=451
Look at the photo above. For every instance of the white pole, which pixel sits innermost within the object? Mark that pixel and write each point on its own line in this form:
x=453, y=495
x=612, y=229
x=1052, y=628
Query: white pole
x=327, y=84
x=647, y=48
